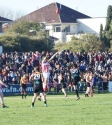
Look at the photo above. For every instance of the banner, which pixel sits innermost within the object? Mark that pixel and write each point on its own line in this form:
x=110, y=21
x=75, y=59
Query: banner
x=16, y=89
x=110, y=86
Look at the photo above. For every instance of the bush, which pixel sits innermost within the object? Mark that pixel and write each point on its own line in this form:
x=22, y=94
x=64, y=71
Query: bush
x=15, y=42
x=87, y=43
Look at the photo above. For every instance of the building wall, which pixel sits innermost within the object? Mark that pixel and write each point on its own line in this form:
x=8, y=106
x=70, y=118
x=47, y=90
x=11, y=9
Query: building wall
x=91, y=25
x=61, y=36
x=57, y=35
x=73, y=28
x=50, y=28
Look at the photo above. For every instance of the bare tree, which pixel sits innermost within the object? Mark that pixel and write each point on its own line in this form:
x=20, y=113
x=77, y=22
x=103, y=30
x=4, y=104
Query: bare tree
x=11, y=14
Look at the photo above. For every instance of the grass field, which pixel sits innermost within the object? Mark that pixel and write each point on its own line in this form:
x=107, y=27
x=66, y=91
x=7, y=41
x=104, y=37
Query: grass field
x=95, y=110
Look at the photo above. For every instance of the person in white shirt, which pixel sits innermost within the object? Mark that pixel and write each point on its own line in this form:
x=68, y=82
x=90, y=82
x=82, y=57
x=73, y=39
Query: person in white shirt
x=1, y=93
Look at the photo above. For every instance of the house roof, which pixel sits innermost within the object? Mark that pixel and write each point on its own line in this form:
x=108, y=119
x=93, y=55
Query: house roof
x=45, y=14
x=4, y=20
x=69, y=15
x=48, y=14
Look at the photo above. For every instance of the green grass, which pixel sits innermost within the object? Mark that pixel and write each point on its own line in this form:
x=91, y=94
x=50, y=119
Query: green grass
x=95, y=110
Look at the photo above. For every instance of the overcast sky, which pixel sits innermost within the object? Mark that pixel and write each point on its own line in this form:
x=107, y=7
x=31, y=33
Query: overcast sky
x=93, y=8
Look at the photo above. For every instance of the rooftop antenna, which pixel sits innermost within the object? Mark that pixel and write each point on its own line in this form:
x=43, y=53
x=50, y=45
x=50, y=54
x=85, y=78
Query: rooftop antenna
x=76, y=8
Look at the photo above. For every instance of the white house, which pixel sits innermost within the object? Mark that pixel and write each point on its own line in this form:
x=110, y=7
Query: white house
x=63, y=22
x=64, y=31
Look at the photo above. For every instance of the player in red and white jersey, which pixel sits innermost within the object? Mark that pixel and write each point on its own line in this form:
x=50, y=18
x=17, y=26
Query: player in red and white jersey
x=46, y=70
x=45, y=67
x=1, y=94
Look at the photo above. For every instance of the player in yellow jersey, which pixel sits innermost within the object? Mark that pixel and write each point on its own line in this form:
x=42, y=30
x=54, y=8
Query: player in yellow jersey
x=23, y=84
x=36, y=79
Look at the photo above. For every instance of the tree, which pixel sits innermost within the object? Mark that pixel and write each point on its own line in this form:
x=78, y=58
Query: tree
x=109, y=17
x=109, y=32
x=24, y=27
x=108, y=28
x=110, y=49
x=101, y=32
x=18, y=38
x=11, y=14
x=21, y=43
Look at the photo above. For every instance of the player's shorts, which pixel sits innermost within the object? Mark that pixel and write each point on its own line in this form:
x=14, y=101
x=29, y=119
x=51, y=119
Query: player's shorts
x=88, y=84
x=1, y=93
x=23, y=86
x=59, y=86
x=63, y=86
x=38, y=89
x=75, y=80
x=46, y=74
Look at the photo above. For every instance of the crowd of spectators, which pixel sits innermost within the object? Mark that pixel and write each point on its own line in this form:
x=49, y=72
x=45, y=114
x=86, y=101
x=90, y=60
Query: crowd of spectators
x=99, y=63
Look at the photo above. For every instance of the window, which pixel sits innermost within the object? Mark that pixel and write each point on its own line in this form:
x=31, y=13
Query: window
x=58, y=29
x=68, y=28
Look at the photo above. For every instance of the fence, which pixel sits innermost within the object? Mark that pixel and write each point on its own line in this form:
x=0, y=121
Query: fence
x=15, y=89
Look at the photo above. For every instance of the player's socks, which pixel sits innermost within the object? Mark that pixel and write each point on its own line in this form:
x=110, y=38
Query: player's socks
x=76, y=91
x=39, y=99
x=25, y=96
x=32, y=105
x=45, y=103
x=85, y=95
x=22, y=96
